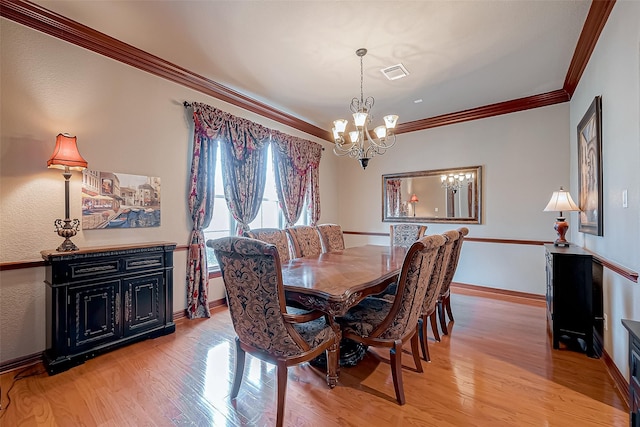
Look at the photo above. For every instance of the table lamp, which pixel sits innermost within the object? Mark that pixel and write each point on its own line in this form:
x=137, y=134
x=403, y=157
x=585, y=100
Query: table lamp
x=561, y=201
x=66, y=156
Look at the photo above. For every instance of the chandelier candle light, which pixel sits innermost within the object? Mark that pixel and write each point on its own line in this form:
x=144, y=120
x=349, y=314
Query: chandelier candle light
x=67, y=157
x=561, y=201
x=360, y=144
x=455, y=181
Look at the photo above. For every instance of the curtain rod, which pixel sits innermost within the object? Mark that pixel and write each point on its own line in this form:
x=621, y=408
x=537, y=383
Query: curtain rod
x=187, y=104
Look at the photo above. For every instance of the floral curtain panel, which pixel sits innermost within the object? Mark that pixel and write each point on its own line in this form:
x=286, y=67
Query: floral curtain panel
x=200, y=200
x=244, y=168
x=296, y=164
x=244, y=147
x=394, y=197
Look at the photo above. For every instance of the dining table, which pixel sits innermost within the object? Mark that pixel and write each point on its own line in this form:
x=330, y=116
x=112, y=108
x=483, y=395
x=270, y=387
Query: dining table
x=333, y=282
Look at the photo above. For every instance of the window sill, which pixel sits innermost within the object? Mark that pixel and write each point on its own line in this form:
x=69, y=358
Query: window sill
x=214, y=273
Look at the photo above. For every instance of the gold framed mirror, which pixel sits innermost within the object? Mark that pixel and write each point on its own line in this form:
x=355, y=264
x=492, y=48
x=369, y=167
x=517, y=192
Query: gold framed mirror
x=441, y=195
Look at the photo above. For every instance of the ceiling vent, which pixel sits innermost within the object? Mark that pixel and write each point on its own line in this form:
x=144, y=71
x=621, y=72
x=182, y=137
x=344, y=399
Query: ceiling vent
x=395, y=72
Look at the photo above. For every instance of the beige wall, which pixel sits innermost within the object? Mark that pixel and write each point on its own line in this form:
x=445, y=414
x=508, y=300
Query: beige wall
x=614, y=73
x=524, y=156
x=126, y=121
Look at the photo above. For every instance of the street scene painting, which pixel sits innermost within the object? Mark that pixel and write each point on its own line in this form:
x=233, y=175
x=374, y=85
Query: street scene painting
x=119, y=200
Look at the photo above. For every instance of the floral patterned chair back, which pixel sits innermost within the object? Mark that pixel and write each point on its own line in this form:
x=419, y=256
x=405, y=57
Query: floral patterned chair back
x=331, y=237
x=252, y=276
x=413, y=282
x=444, y=301
x=433, y=291
x=406, y=234
x=276, y=237
x=305, y=241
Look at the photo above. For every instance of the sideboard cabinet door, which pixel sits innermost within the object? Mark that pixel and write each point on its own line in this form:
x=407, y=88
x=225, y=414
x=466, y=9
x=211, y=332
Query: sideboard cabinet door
x=99, y=299
x=93, y=314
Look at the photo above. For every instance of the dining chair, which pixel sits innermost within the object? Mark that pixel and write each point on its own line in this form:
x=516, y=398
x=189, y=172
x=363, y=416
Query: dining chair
x=331, y=237
x=405, y=234
x=275, y=236
x=433, y=292
x=444, y=301
x=252, y=276
x=377, y=322
x=305, y=241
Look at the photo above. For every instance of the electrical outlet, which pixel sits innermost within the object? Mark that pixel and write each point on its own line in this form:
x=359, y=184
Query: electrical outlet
x=606, y=322
x=625, y=204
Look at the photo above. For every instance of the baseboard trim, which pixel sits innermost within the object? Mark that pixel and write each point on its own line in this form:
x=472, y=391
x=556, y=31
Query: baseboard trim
x=20, y=362
x=618, y=379
x=182, y=314
x=536, y=298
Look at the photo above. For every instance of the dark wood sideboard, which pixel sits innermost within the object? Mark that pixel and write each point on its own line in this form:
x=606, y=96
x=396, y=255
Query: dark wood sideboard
x=574, y=298
x=101, y=298
x=634, y=371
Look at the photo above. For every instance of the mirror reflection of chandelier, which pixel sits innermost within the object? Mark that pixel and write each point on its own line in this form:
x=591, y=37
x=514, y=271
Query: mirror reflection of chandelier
x=360, y=143
x=455, y=181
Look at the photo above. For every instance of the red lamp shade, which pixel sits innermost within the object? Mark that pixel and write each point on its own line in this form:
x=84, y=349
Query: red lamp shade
x=413, y=199
x=66, y=154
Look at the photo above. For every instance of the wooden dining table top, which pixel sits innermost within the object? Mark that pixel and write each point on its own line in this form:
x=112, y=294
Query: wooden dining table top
x=335, y=281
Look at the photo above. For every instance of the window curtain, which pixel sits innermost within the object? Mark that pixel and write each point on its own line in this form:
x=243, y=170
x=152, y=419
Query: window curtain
x=244, y=168
x=207, y=125
x=394, y=197
x=296, y=165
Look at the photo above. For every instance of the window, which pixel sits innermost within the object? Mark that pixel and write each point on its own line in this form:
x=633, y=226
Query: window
x=222, y=223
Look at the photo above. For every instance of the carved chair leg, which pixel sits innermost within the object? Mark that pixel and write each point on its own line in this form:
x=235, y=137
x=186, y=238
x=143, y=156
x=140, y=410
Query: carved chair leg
x=423, y=338
x=434, y=325
x=447, y=304
x=414, y=351
x=281, y=372
x=443, y=321
x=239, y=371
x=396, y=370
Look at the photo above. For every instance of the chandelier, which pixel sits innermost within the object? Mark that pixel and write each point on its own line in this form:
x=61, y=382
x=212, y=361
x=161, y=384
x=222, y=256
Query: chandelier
x=455, y=181
x=360, y=143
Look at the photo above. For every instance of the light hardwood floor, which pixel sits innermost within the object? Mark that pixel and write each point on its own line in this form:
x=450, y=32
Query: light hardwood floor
x=496, y=368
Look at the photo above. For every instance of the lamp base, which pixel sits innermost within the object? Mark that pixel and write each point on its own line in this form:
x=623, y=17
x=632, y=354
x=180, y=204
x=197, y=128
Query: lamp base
x=67, y=229
x=561, y=228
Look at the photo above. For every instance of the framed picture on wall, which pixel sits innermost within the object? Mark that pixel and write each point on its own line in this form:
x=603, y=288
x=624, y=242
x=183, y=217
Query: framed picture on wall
x=590, y=169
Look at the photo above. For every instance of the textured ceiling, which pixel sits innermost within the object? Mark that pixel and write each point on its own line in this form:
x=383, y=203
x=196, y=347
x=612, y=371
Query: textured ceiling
x=299, y=56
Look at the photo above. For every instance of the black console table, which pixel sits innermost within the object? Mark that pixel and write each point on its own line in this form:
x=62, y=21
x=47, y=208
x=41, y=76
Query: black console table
x=634, y=371
x=574, y=296
x=98, y=299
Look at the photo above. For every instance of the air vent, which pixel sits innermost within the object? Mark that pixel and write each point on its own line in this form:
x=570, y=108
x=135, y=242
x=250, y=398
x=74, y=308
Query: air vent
x=395, y=72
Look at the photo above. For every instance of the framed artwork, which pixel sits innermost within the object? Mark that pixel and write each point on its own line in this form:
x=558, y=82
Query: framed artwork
x=590, y=169
x=118, y=200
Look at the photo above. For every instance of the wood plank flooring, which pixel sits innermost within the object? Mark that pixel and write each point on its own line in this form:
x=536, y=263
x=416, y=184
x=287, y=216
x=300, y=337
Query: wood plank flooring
x=496, y=368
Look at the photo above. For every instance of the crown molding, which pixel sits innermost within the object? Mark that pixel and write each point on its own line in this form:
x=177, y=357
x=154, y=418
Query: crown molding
x=41, y=19
x=593, y=25
x=506, y=107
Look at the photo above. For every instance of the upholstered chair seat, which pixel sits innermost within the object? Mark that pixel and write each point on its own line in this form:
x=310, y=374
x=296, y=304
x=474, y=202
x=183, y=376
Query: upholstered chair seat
x=406, y=234
x=305, y=241
x=364, y=317
x=331, y=237
x=380, y=323
x=252, y=276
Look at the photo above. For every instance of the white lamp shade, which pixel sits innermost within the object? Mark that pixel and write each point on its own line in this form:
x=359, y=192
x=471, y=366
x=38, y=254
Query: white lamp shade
x=359, y=119
x=340, y=125
x=380, y=132
x=353, y=135
x=390, y=121
x=561, y=201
